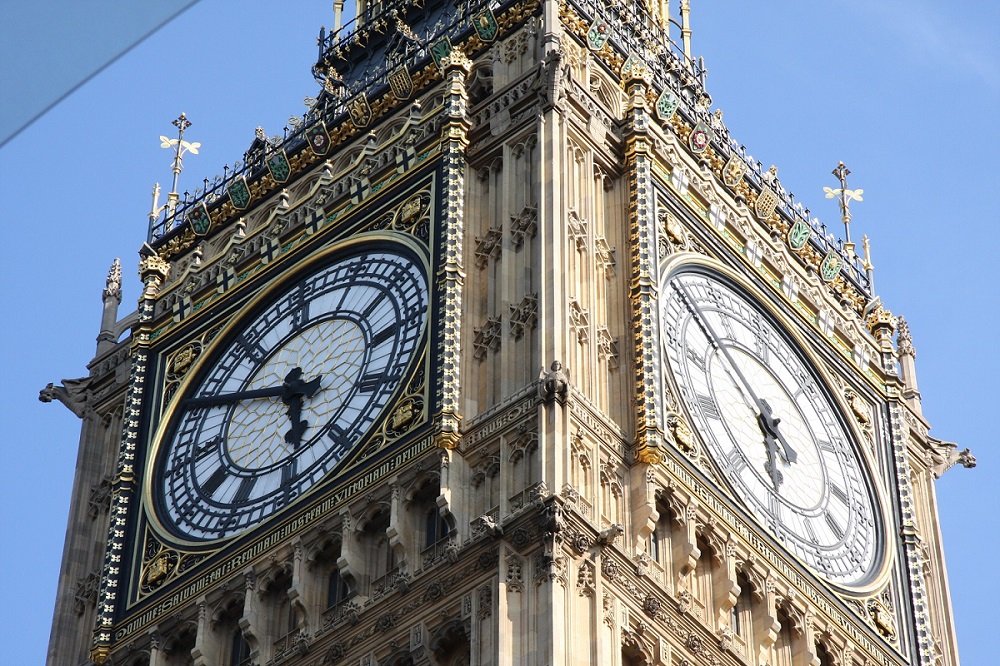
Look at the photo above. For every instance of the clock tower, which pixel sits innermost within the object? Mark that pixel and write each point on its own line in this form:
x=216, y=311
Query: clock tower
x=505, y=353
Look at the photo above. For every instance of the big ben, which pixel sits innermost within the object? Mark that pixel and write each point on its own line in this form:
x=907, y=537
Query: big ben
x=507, y=352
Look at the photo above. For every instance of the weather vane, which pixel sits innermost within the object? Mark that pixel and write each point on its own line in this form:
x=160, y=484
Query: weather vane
x=180, y=147
x=846, y=196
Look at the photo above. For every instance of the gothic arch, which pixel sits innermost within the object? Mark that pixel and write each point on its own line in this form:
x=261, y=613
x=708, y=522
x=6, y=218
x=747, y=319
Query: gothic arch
x=374, y=510
x=426, y=478
x=229, y=607
x=272, y=575
x=636, y=649
x=450, y=643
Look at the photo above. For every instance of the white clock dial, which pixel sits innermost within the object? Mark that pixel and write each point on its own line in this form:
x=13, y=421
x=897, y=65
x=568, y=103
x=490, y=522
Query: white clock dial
x=285, y=396
x=769, y=425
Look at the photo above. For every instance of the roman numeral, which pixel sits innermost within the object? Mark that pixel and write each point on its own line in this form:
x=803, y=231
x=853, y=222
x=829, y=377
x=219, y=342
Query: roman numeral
x=300, y=307
x=374, y=304
x=287, y=473
x=760, y=340
x=252, y=349
x=811, y=533
x=370, y=382
x=832, y=522
x=775, y=508
x=384, y=335
x=695, y=358
x=214, y=481
x=246, y=487
x=839, y=493
x=736, y=460
x=708, y=407
x=728, y=325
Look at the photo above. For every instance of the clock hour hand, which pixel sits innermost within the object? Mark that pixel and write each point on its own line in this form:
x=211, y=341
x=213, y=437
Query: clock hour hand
x=772, y=457
x=769, y=425
x=294, y=393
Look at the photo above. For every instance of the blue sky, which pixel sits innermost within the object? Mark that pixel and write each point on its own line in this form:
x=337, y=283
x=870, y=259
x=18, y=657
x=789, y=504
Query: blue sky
x=907, y=94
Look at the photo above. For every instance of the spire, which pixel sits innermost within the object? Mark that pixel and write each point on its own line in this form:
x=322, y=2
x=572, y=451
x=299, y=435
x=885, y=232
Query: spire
x=112, y=297
x=907, y=367
x=686, y=29
x=113, y=284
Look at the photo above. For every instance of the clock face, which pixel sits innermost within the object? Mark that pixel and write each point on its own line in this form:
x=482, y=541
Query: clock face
x=770, y=426
x=288, y=393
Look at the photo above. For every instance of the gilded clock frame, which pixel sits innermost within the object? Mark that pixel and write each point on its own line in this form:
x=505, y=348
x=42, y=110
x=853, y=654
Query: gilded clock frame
x=791, y=326
x=171, y=406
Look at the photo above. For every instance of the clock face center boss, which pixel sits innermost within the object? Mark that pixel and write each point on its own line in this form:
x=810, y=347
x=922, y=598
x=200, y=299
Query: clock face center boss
x=769, y=424
x=288, y=392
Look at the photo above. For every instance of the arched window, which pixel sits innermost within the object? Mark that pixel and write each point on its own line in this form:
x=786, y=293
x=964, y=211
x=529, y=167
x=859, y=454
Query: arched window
x=380, y=557
x=825, y=658
x=661, y=544
x=654, y=544
x=178, y=648
x=431, y=527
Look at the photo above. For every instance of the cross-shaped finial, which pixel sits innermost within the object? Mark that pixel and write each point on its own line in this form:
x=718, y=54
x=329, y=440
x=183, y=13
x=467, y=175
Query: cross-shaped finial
x=846, y=196
x=180, y=147
x=181, y=123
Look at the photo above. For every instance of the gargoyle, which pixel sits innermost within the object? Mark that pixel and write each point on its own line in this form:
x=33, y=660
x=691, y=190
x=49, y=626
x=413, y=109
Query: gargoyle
x=608, y=536
x=72, y=393
x=492, y=527
x=945, y=455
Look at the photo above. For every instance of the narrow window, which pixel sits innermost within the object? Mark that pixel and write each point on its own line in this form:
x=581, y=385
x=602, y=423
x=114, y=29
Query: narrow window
x=336, y=589
x=240, y=653
x=435, y=527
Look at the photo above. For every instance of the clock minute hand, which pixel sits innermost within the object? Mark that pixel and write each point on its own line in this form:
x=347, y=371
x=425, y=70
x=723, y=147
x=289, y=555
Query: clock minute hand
x=714, y=339
x=213, y=400
x=768, y=423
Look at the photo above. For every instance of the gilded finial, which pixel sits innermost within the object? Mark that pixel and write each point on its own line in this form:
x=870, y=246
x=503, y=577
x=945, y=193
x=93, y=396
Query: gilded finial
x=180, y=147
x=846, y=196
x=686, y=29
x=869, y=268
